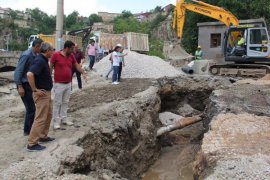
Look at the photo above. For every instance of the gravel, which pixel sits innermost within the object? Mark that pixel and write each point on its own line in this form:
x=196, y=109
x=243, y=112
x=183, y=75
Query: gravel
x=139, y=66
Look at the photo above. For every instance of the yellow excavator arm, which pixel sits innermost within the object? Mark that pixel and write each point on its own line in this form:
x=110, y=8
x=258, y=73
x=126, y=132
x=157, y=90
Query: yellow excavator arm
x=203, y=8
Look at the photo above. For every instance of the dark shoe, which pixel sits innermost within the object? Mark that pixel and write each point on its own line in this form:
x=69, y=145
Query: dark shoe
x=36, y=147
x=44, y=140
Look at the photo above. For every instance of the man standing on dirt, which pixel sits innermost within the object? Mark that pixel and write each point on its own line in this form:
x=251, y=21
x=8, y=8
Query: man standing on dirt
x=24, y=89
x=62, y=63
x=91, y=51
x=79, y=56
x=40, y=80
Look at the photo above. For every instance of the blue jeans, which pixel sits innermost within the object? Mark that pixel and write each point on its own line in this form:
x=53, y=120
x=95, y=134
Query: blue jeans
x=91, y=61
x=115, y=73
x=29, y=107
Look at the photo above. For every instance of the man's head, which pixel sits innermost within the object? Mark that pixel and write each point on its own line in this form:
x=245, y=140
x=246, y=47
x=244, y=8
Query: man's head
x=36, y=45
x=69, y=47
x=46, y=49
x=118, y=47
x=239, y=36
x=92, y=42
x=199, y=47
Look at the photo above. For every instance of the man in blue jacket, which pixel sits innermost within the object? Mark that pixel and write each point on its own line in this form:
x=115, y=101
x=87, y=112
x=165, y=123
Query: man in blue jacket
x=24, y=89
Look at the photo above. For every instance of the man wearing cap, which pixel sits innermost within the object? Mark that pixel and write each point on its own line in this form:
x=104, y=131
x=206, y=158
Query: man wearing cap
x=198, y=53
x=116, y=63
x=40, y=80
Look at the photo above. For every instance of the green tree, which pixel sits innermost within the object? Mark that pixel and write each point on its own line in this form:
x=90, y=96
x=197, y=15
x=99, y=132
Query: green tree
x=126, y=22
x=42, y=23
x=158, y=9
x=94, y=18
x=13, y=14
x=156, y=48
x=71, y=19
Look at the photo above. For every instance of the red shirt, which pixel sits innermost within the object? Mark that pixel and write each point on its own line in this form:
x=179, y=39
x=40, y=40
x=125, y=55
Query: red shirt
x=62, y=67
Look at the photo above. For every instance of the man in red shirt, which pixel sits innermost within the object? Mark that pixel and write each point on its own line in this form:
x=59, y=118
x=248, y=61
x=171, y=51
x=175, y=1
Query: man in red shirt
x=62, y=63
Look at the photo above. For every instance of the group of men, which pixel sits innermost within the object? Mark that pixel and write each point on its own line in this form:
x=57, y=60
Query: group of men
x=33, y=77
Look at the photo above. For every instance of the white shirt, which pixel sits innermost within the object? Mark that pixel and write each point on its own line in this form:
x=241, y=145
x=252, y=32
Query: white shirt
x=116, y=59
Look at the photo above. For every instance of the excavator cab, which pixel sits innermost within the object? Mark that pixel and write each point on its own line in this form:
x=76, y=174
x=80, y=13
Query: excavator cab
x=246, y=44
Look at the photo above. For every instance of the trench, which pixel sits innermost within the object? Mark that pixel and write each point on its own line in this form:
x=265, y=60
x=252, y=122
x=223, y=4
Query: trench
x=179, y=148
x=134, y=153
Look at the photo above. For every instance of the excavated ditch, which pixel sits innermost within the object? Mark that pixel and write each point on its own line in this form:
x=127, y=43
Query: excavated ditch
x=123, y=138
x=115, y=133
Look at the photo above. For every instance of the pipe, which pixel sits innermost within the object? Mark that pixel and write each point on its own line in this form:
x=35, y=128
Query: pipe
x=187, y=69
x=179, y=124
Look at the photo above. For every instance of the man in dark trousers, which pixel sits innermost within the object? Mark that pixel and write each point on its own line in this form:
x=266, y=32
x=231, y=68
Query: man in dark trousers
x=40, y=80
x=79, y=56
x=24, y=89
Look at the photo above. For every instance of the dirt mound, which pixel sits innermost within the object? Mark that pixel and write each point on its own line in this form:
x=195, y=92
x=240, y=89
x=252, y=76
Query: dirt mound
x=140, y=66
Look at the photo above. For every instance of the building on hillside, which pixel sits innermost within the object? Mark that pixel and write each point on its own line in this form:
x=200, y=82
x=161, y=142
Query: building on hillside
x=142, y=16
x=167, y=9
x=108, y=17
x=4, y=12
x=22, y=19
x=211, y=35
x=107, y=28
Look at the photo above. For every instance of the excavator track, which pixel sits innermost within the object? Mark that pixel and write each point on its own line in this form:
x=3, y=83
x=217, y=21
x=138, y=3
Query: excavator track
x=240, y=70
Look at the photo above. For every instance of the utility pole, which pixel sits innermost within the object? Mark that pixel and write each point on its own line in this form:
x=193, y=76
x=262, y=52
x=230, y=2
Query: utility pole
x=59, y=24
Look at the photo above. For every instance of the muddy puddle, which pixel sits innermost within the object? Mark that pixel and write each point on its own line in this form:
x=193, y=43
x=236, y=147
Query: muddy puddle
x=175, y=161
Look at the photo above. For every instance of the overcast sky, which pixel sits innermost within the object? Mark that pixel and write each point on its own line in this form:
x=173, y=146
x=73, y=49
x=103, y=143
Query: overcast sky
x=86, y=7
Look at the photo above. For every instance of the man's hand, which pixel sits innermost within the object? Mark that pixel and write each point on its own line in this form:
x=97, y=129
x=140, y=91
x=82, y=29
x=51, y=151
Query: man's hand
x=21, y=91
x=40, y=92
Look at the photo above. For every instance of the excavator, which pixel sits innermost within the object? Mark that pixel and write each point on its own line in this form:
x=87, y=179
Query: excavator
x=250, y=58
x=86, y=32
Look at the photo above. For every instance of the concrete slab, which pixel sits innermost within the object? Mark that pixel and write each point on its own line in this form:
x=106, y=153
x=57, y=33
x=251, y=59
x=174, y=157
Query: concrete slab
x=202, y=66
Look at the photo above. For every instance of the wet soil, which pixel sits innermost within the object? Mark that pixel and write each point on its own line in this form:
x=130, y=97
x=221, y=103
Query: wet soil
x=177, y=155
